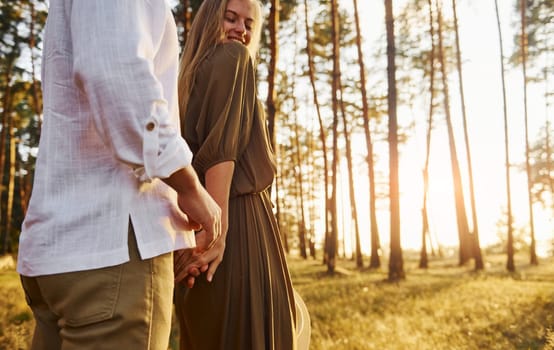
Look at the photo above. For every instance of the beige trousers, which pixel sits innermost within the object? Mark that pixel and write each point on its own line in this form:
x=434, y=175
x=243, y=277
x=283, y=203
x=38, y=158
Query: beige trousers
x=120, y=307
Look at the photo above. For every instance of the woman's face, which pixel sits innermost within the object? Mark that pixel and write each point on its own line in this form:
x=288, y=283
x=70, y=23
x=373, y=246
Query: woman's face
x=239, y=21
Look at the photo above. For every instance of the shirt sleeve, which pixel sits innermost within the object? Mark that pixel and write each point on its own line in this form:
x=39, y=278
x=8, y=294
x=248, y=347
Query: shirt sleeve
x=225, y=122
x=116, y=48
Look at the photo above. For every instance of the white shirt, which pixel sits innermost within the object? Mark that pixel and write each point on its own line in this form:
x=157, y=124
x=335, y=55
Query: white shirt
x=110, y=132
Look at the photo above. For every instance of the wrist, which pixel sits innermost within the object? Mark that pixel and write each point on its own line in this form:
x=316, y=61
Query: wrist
x=184, y=180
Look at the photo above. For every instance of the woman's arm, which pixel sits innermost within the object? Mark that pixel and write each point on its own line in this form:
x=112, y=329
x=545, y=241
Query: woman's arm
x=189, y=264
x=218, y=184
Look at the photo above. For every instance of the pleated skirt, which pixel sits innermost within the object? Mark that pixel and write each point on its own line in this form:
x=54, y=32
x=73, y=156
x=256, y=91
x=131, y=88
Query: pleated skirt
x=250, y=302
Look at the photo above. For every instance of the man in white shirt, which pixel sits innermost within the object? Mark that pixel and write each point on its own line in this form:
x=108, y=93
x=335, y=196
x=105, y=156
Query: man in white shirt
x=113, y=180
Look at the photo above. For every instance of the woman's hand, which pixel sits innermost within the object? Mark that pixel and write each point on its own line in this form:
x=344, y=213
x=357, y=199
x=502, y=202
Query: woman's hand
x=187, y=265
x=213, y=256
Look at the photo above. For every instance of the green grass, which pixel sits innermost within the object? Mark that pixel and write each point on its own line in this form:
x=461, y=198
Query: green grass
x=443, y=307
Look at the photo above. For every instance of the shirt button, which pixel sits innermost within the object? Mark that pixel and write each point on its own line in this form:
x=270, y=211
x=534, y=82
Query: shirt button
x=150, y=126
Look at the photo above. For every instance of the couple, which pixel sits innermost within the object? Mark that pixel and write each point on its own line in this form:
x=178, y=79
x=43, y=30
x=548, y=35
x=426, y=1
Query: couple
x=117, y=189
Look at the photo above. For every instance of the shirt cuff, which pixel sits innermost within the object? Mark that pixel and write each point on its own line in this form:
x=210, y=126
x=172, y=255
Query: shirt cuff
x=162, y=163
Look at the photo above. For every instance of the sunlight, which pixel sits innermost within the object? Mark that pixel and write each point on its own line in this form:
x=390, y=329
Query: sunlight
x=490, y=201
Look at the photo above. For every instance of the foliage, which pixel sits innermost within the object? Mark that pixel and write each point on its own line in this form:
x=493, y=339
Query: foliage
x=539, y=31
x=542, y=168
x=519, y=236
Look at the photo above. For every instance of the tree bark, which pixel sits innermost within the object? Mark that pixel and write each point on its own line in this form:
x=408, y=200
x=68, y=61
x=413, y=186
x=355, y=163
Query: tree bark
x=423, y=259
x=396, y=263
x=523, y=38
x=461, y=217
x=475, y=246
x=11, y=185
x=6, y=110
x=322, y=134
x=351, y=189
x=272, y=68
x=374, y=261
x=299, y=183
x=510, y=235
x=331, y=263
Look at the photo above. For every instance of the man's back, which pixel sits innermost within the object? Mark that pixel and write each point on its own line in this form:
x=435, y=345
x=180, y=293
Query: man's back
x=110, y=122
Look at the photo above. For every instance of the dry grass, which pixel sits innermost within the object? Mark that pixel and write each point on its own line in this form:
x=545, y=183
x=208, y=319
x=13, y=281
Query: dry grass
x=16, y=319
x=443, y=307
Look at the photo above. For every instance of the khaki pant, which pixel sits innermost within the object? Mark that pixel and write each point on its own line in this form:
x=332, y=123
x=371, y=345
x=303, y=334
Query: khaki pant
x=120, y=307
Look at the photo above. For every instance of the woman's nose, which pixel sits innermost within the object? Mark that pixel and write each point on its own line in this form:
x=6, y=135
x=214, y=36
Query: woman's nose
x=241, y=27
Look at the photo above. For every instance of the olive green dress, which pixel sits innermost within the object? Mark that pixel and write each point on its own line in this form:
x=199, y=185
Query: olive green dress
x=250, y=303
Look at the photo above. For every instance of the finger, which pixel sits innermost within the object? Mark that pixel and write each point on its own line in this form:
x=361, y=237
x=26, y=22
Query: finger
x=190, y=281
x=182, y=259
x=214, y=231
x=183, y=274
x=193, y=225
x=212, y=268
x=202, y=241
x=194, y=271
x=185, y=262
x=214, y=256
x=179, y=276
x=186, y=222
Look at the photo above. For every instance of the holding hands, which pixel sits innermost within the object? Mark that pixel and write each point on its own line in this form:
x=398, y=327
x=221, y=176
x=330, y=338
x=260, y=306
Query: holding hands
x=190, y=263
x=210, y=244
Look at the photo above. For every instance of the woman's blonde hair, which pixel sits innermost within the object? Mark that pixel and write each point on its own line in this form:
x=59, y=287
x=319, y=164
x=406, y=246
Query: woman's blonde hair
x=205, y=33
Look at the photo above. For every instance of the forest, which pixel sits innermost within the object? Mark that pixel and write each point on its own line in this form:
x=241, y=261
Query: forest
x=379, y=123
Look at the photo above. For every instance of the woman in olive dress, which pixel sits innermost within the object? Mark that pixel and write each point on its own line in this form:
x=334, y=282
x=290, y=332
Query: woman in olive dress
x=249, y=302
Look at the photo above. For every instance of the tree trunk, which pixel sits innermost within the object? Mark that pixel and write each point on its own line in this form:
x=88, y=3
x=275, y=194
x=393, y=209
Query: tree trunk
x=461, y=217
x=374, y=261
x=311, y=192
x=272, y=68
x=351, y=189
x=322, y=134
x=549, y=158
x=476, y=247
x=278, y=185
x=6, y=110
x=396, y=263
x=334, y=91
x=523, y=38
x=423, y=260
x=36, y=100
x=510, y=239
x=11, y=185
x=299, y=184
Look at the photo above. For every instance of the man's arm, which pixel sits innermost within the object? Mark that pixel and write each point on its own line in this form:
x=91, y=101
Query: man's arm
x=203, y=212
x=115, y=44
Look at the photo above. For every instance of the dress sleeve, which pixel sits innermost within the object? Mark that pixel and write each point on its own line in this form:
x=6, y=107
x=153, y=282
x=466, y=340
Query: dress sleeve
x=224, y=125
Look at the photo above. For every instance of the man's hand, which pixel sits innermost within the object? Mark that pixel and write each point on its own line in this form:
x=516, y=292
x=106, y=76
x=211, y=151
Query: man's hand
x=201, y=209
x=187, y=266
